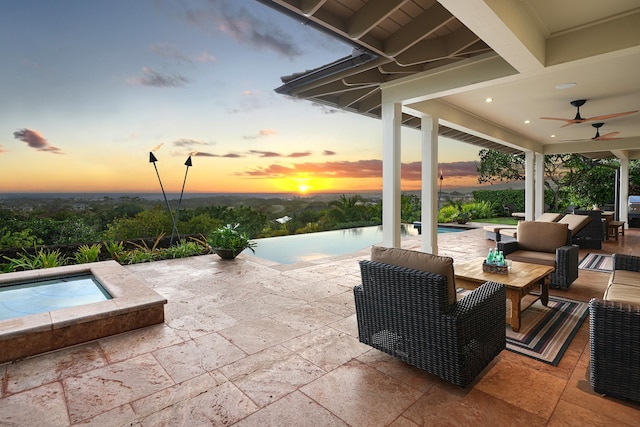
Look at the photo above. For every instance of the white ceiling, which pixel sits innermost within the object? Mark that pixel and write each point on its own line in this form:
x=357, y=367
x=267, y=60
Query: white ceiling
x=514, y=51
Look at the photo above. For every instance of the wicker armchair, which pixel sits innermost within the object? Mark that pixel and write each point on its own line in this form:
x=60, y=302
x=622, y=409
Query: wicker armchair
x=615, y=333
x=548, y=244
x=406, y=313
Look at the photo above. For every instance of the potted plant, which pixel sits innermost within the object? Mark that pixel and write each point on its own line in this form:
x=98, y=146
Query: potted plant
x=227, y=242
x=462, y=217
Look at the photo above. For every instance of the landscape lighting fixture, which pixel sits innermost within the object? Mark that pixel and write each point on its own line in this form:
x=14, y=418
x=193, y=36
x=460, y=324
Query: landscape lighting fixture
x=153, y=159
x=188, y=164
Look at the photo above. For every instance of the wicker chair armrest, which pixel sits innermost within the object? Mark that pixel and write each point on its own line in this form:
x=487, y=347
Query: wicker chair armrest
x=626, y=262
x=508, y=247
x=489, y=296
x=567, y=256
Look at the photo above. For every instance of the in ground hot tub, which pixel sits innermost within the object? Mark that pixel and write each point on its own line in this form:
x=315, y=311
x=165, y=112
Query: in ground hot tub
x=127, y=303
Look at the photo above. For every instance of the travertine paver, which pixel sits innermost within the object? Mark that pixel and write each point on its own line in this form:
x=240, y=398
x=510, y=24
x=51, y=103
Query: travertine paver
x=103, y=389
x=251, y=343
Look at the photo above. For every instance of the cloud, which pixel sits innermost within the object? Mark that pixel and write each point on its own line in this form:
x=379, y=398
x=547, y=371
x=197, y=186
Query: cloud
x=35, y=140
x=228, y=155
x=237, y=22
x=2, y=150
x=326, y=109
x=250, y=101
x=172, y=51
x=156, y=79
x=459, y=169
x=328, y=153
x=261, y=133
x=344, y=169
x=274, y=154
x=190, y=143
x=265, y=153
x=300, y=154
x=359, y=170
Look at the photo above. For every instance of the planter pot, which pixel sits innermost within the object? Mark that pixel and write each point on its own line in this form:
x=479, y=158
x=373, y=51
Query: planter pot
x=227, y=253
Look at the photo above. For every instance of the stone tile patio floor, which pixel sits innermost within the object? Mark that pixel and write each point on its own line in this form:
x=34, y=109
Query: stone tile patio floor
x=249, y=343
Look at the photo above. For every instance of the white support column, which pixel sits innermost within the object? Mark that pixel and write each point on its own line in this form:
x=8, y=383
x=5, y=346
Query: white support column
x=539, y=186
x=391, y=122
x=529, y=190
x=429, y=215
x=623, y=209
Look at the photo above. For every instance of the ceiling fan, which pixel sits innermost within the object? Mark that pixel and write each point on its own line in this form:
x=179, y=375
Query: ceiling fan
x=606, y=136
x=597, y=137
x=579, y=119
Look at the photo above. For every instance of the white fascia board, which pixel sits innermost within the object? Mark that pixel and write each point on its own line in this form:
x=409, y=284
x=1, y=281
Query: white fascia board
x=506, y=27
x=456, y=118
x=591, y=146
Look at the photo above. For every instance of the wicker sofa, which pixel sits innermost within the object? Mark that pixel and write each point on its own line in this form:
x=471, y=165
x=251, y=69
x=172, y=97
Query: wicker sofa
x=615, y=332
x=412, y=314
x=545, y=243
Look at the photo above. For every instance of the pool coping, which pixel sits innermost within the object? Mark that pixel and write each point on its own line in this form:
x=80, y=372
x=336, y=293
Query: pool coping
x=133, y=305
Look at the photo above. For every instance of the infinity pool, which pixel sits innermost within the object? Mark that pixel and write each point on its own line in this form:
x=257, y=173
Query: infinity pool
x=312, y=246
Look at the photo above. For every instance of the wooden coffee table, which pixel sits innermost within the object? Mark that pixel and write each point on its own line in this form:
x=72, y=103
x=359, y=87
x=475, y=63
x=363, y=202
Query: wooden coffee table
x=522, y=278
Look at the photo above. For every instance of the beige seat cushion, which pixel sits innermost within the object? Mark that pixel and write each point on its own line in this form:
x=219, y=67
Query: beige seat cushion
x=497, y=228
x=511, y=232
x=623, y=293
x=534, y=257
x=549, y=217
x=626, y=277
x=575, y=222
x=541, y=236
x=418, y=261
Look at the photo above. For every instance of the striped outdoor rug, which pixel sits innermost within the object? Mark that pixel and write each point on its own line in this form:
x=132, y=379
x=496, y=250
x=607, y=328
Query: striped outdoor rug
x=596, y=262
x=546, y=332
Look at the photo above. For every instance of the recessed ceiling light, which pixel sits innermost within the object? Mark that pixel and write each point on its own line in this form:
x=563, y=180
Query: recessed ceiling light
x=488, y=100
x=565, y=85
x=526, y=122
x=553, y=136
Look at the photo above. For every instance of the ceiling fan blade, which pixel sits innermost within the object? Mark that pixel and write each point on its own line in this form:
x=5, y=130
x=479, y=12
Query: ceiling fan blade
x=609, y=116
x=573, y=122
x=607, y=136
x=556, y=118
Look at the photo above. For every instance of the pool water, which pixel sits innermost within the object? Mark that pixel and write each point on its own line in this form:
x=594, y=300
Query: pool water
x=312, y=246
x=48, y=295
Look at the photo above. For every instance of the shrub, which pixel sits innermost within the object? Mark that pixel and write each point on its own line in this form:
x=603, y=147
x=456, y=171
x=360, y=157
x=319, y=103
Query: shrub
x=86, y=253
x=41, y=259
x=184, y=249
x=448, y=213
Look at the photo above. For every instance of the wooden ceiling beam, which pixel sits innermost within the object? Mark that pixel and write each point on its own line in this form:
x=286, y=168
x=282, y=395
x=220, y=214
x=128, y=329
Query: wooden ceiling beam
x=309, y=7
x=350, y=98
x=370, y=15
x=419, y=28
x=371, y=102
x=438, y=48
x=372, y=76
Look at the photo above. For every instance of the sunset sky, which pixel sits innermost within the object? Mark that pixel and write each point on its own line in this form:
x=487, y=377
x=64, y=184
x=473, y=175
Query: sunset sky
x=89, y=88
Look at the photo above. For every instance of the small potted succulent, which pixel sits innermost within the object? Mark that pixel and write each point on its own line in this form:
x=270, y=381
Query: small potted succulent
x=227, y=242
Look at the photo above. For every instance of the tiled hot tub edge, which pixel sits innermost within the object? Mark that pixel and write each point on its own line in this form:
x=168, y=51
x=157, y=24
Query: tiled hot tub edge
x=134, y=305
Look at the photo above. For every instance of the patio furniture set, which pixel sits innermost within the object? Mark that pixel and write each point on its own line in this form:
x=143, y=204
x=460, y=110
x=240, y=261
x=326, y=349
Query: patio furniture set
x=406, y=306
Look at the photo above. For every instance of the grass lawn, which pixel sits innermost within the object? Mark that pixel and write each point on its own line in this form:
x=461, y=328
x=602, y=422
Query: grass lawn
x=500, y=220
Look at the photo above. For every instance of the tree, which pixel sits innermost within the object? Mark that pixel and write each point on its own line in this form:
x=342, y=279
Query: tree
x=591, y=181
x=500, y=167
x=347, y=209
